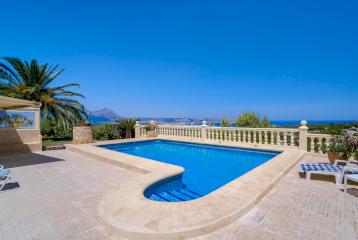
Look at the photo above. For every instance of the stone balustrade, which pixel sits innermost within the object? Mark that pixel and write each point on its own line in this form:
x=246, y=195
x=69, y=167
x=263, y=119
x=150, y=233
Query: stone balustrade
x=179, y=131
x=318, y=143
x=298, y=138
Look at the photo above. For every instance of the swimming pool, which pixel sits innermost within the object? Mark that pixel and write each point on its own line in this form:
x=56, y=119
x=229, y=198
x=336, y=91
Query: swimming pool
x=207, y=167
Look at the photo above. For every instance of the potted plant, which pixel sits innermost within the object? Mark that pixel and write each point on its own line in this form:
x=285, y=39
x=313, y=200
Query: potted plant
x=339, y=148
x=151, y=129
x=343, y=146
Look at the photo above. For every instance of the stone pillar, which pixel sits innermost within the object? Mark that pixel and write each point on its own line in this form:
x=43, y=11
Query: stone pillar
x=82, y=135
x=137, y=129
x=203, y=128
x=303, y=130
x=37, y=118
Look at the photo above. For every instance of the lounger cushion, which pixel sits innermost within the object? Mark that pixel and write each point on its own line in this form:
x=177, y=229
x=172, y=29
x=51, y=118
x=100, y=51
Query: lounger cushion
x=321, y=167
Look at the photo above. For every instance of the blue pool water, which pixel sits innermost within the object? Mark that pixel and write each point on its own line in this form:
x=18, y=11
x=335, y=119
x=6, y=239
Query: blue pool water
x=207, y=167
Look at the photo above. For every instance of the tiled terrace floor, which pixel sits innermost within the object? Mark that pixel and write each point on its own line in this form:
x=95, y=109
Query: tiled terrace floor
x=60, y=190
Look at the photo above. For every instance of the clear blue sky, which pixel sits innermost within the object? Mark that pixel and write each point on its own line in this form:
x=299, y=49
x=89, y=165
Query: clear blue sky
x=284, y=59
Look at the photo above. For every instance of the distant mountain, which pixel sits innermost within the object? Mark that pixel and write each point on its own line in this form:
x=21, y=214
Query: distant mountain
x=104, y=115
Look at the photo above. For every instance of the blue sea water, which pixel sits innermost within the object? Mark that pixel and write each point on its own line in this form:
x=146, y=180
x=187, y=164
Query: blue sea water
x=296, y=122
x=207, y=167
x=283, y=123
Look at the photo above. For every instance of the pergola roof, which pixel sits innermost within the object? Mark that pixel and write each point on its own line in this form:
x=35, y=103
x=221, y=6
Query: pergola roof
x=13, y=103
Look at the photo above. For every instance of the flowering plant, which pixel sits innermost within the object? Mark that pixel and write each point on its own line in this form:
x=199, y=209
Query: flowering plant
x=346, y=144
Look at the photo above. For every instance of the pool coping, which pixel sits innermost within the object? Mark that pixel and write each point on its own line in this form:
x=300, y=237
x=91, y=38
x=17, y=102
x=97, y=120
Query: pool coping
x=126, y=212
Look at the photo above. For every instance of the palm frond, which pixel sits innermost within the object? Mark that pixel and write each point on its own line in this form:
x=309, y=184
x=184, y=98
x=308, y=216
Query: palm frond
x=30, y=81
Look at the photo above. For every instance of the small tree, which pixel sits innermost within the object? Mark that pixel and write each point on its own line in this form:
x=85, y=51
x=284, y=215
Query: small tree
x=127, y=124
x=248, y=119
x=265, y=123
x=225, y=123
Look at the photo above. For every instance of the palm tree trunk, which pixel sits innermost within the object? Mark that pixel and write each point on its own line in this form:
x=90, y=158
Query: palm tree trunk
x=128, y=133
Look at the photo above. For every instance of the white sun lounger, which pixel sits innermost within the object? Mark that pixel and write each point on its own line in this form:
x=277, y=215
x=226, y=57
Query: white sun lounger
x=335, y=170
x=352, y=177
x=5, y=176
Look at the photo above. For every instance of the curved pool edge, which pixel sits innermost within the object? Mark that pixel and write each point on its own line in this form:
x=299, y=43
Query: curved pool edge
x=126, y=212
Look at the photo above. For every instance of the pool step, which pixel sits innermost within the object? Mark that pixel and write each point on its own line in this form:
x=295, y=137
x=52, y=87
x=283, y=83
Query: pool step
x=176, y=195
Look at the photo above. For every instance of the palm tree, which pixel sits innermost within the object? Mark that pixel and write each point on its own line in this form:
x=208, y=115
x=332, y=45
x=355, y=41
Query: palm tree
x=127, y=124
x=34, y=81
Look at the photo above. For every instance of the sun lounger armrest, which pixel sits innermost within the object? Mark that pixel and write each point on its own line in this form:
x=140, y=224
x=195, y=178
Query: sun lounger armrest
x=350, y=169
x=340, y=161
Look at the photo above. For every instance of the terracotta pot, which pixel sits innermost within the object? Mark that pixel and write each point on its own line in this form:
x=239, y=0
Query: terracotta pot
x=151, y=133
x=335, y=156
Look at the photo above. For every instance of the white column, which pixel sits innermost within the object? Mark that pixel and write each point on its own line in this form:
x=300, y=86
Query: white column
x=303, y=130
x=203, y=129
x=137, y=129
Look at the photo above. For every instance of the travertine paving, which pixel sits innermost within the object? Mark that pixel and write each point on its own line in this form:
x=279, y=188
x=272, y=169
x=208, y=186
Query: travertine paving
x=58, y=196
x=60, y=191
x=299, y=209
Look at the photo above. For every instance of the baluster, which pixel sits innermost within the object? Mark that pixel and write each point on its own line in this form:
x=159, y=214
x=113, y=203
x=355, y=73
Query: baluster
x=278, y=136
x=244, y=136
x=312, y=144
x=266, y=137
x=320, y=144
x=260, y=137
x=285, y=138
x=292, y=139
x=273, y=138
x=254, y=137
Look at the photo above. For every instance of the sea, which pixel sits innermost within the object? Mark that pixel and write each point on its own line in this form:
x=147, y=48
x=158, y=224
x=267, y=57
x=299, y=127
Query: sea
x=282, y=123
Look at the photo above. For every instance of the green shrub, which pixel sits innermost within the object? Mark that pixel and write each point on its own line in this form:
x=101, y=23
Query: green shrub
x=225, y=123
x=252, y=119
x=107, y=132
x=127, y=126
x=49, y=129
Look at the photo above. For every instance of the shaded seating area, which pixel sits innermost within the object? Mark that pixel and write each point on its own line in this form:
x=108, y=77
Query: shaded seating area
x=19, y=125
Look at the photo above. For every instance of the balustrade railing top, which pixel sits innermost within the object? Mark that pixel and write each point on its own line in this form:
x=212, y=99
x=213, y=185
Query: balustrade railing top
x=298, y=138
